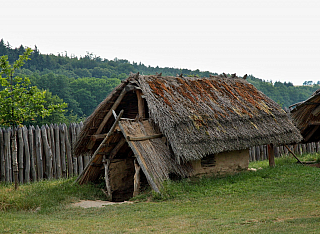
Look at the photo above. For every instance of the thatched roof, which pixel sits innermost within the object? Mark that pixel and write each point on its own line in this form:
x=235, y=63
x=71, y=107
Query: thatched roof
x=306, y=116
x=201, y=116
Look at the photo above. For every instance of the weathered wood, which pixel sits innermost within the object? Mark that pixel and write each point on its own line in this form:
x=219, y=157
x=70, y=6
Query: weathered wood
x=109, y=114
x=20, y=153
x=141, y=107
x=293, y=154
x=15, y=159
x=2, y=157
x=57, y=149
x=39, y=153
x=33, y=158
x=63, y=151
x=310, y=134
x=116, y=149
x=144, y=138
x=101, y=145
x=73, y=139
x=106, y=164
x=136, y=179
x=52, y=144
x=7, y=153
x=271, y=155
x=47, y=152
x=27, y=171
x=68, y=152
x=80, y=158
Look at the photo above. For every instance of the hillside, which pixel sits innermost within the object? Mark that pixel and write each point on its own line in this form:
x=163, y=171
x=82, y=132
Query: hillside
x=84, y=82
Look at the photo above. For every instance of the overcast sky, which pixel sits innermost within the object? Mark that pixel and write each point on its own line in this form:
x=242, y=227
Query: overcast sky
x=273, y=39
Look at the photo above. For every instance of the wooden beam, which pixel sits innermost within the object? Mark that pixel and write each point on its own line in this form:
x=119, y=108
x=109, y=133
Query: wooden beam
x=100, y=146
x=108, y=115
x=271, y=155
x=117, y=148
x=293, y=154
x=140, y=104
x=144, y=138
x=314, y=123
x=311, y=133
x=106, y=163
x=136, y=180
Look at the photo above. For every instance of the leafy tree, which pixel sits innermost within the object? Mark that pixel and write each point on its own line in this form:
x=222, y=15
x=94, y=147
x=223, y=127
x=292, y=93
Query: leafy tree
x=19, y=101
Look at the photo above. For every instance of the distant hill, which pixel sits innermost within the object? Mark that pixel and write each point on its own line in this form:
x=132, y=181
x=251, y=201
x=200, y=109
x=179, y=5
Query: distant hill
x=85, y=81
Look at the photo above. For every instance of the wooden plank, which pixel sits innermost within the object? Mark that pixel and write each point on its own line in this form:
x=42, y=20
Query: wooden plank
x=7, y=153
x=27, y=171
x=68, y=152
x=73, y=139
x=144, y=138
x=109, y=114
x=57, y=149
x=15, y=159
x=80, y=158
x=20, y=153
x=140, y=161
x=52, y=144
x=141, y=107
x=39, y=153
x=33, y=158
x=100, y=146
x=48, y=153
x=63, y=151
x=2, y=157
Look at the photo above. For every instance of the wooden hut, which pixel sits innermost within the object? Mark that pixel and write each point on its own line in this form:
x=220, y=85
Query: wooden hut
x=306, y=116
x=177, y=126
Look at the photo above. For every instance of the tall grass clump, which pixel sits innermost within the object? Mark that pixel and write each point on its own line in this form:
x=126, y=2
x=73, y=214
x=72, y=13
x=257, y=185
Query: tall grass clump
x=46, y=194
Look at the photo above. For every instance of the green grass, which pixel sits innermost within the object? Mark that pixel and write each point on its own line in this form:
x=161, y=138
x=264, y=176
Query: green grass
x=284, y=199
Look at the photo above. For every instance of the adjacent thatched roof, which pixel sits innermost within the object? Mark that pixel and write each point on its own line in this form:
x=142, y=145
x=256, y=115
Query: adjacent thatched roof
x=201, y=116
x=306, y=116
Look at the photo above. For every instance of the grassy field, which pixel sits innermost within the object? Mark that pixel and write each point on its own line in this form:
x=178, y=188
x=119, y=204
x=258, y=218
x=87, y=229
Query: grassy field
x=284, y=199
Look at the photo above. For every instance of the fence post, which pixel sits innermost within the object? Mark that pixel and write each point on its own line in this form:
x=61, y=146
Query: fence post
x=63, y=150
x=40, y=162
x=2, y=157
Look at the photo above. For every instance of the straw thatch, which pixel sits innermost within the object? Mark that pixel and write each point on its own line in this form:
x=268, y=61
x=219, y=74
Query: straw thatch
x=306, y=116
x=201, y=116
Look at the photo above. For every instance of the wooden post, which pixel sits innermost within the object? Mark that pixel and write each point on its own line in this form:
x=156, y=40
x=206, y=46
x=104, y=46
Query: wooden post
x=73, y=139
x=52, y=145
x=2, y=157
x=106, y=163
x=136, y=181
x=68, y=151
x=48, y=152
x=15, y=159
x=33, y=158
x=26, y=154
x=63, y=150
x=7, y=154
x=20, y=160
x=39, y=153
x=271, y=155
x=140, y=104
x=57, y=149
x=80, y=158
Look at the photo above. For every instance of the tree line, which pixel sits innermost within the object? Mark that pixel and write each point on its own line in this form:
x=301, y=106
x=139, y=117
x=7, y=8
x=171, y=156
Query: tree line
x=83, y=82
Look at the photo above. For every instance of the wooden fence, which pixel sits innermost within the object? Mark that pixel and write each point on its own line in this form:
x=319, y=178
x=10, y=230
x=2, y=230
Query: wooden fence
x=42, y=153
x=46, y=152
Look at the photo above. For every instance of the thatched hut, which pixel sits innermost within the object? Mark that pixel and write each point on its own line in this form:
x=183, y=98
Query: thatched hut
x=178, y=126
x=306, y=116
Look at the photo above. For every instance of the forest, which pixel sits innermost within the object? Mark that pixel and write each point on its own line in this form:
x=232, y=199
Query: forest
x=83, y=82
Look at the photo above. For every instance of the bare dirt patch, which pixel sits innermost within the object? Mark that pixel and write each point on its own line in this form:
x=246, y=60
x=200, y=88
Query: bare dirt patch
x=96, y=203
